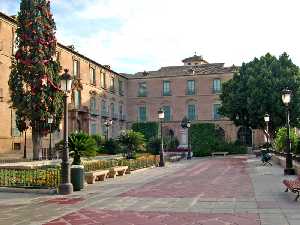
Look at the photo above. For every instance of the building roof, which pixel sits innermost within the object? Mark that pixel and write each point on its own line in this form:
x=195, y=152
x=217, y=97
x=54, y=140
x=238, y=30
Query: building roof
x=195, y=58
x=173, y=71
x=68, y=48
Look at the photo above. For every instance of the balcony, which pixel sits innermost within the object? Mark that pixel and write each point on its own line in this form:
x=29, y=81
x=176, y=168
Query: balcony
x=115, y=116
x=216, y=91
x=166, y=93
x=112, y=90
x=142, y=94
x=104, y=114
x=121, y=92
x=94, y=113
x=190, y=92
x=122, y=117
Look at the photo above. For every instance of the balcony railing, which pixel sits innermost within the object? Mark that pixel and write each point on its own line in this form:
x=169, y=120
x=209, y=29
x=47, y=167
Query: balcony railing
x=190, y=92
x=142, y=94
x=115, y=116
x=104, y=114
x=166, y=93
x=216, y=91
x=122, y=117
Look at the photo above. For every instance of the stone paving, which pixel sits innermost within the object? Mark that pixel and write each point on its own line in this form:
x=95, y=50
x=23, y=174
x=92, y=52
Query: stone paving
x=208, y=191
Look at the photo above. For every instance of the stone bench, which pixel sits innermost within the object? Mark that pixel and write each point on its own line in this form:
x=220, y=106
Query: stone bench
x=117, y=171
x=99, y=175
x=293, y=186
x=219, y=153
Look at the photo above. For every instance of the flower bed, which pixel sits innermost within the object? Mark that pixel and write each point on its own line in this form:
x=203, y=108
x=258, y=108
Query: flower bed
x=30, y=178
x=133, y=164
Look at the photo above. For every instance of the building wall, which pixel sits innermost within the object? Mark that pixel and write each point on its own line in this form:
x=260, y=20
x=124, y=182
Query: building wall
x=8, y=142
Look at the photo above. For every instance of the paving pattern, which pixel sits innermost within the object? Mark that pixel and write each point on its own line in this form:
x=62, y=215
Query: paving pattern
x=208, y=191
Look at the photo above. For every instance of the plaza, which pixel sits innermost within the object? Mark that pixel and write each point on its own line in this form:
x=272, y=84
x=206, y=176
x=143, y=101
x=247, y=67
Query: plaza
x=208, y=191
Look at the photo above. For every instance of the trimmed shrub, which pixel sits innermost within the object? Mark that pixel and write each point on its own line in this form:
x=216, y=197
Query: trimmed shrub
x=99, y=142
x=148, y=129
x=111, y=147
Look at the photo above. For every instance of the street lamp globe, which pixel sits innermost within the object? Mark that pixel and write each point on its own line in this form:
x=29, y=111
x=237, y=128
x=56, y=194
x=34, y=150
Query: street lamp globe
x=66, y=81
x=286, y=96
x=161, y=114
x=188, y=124
x=50, y=119
x=267, y=117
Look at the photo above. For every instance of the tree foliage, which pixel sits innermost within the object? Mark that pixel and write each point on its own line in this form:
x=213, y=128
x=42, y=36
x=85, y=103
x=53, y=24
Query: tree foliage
x=256, y=89
x=132, y=142
x=81, y=144
x=34, y=75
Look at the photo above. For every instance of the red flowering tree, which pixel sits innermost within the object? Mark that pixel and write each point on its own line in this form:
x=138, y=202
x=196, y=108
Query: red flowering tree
x=34, y=76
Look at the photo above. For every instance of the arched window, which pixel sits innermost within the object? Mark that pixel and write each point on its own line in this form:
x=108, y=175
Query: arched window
x=93, y=105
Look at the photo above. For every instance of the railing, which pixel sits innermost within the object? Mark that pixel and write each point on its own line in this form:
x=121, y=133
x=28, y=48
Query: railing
x=122, y=117
x=115, y=116
x=104, y=114
x=31, y=178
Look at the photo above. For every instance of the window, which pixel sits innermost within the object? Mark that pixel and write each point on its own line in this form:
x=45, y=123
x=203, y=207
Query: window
x=103, y=80
x=142, y=92
x=121, y=111
x=93, y=128
x=1, y=95
x=217, y=86
x=191, y=111
x=14, y=130
x=190, y=87
x=121, y=92
x=57, y=57
x=166, y=88
x=77, y=99
x=142, y=114
x=167, y=111
x=216, y=114
x=92, y=76
x=15, y=43
x=76, y=68
x=93, y=105
x=112, y=84
x=104, y=109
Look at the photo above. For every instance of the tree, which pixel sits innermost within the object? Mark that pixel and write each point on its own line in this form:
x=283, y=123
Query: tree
x=256, y=90
x=35, y=76
x=81, y=145
x=132, y=142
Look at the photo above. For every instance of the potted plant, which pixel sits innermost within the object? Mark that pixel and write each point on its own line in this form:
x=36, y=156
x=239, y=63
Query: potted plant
x=80, y=145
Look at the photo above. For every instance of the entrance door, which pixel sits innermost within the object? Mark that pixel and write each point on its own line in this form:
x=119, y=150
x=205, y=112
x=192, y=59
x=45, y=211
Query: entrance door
x=244, y=135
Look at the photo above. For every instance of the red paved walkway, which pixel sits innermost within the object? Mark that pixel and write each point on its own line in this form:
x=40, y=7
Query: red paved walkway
x=218, y=178
x=106, y=217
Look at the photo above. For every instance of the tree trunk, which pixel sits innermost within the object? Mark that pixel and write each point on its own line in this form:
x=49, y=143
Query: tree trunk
x=37, y=143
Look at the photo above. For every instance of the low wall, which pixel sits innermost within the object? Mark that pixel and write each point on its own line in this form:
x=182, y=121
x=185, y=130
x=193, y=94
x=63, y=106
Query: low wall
x=280, y=160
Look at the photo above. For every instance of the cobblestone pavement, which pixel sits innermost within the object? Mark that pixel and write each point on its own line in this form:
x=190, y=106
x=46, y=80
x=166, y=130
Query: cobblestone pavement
x=208, y=191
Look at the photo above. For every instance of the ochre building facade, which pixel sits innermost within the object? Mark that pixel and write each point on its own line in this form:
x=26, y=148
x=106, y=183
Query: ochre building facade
x=101, y=94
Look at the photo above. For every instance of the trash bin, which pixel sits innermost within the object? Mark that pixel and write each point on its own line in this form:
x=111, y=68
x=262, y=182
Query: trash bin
x=77, y=177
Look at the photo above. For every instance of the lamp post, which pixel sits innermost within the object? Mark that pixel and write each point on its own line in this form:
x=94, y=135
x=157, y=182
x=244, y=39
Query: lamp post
x=161, y=116
x=286, y=99
x=65, y=186
x=25, y=139
x=107, y=124
x=267, y=119
x=50, y=121
x=188, y=125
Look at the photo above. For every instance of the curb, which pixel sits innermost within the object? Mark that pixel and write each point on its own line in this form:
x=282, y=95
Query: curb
x=28, y=190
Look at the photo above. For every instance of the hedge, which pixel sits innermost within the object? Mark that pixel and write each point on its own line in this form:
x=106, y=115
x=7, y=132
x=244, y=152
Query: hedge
x=149, y=129
x=205, y=139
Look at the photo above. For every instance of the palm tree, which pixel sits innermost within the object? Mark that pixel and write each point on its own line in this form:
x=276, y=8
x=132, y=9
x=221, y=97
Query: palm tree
x=133, y=142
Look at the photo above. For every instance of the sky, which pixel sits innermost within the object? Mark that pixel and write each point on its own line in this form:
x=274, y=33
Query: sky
x=138, y=35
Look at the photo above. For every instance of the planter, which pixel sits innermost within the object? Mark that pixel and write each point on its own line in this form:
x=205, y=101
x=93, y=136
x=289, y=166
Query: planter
x=77, y=177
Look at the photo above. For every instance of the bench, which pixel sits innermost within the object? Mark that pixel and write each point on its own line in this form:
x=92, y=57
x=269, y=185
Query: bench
x=219, y=153
x=99, y=175
x=293, y=186
x=117, y=171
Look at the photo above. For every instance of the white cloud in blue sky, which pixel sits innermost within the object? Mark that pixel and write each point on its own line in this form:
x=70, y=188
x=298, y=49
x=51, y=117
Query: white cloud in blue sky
x=137, y=35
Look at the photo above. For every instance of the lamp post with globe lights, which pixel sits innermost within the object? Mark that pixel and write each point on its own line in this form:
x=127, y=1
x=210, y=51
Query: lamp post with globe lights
x=161, y=116
x=65, y=186
x=267, y=119
x=286, y=99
